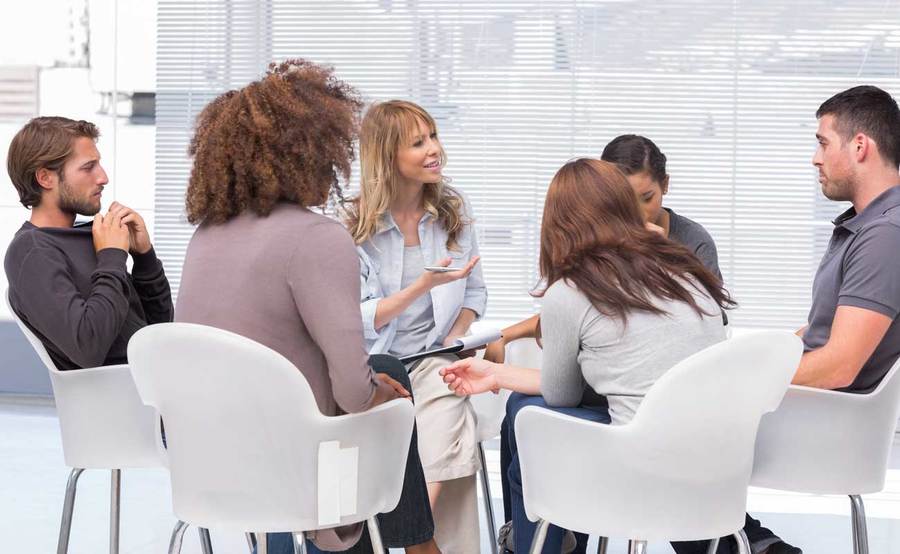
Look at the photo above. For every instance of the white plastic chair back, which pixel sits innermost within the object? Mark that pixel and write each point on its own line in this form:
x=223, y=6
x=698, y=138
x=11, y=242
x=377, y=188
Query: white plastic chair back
x=243, y=432
x=490, y=409
x=829, y=442
x=679, y=470
x=102, y=420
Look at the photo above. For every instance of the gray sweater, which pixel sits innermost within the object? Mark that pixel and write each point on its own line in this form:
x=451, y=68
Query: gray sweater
x=584, y=347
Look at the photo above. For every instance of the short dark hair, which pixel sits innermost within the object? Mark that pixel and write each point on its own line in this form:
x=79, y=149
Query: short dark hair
x=868, y=110
x=44, y=142
x=634, y=154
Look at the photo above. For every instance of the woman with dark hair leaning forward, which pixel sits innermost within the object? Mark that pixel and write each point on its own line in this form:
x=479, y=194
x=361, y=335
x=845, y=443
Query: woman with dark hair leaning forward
x=264, y=265
x=644, y=165
x=622, y=305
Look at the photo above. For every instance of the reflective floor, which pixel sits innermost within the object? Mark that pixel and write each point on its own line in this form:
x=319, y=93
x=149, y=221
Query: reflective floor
x=33, y=478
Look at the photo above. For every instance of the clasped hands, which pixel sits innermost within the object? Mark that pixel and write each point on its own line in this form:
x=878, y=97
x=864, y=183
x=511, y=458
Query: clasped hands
x=121, y=228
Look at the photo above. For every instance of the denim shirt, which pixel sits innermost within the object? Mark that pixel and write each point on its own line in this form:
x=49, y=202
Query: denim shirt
x=381, y=268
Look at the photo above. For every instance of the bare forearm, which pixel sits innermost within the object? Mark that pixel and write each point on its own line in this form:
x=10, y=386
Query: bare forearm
x=823, y=369
x=392, y=306
x=463, y=322
x=526, y=328
x=518, y=379
x=855, y=333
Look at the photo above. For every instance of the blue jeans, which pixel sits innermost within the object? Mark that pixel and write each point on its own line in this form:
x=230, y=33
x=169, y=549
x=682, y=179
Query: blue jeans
x=523, y=528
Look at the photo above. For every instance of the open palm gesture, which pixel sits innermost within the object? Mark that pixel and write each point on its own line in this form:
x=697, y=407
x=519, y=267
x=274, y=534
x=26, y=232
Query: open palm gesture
x=470, y=376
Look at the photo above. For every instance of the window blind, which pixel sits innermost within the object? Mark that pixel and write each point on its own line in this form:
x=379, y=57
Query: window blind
x=727, y=90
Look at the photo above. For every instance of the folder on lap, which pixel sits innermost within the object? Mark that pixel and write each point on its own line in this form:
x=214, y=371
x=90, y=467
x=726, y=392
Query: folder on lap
x=475, y=340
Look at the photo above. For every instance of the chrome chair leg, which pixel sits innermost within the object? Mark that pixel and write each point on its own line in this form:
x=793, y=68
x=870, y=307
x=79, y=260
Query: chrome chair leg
x=177, y=537
x=65, y=526
x=488, y=505
x=858, y=523
x=299, y=543
x=637, y=547
x=713, y=546
x=540, y=535
x=375, y=535
x=602, y=545
x=115, y=502
x=251, y=541
x=743, y=545
x=205, y=541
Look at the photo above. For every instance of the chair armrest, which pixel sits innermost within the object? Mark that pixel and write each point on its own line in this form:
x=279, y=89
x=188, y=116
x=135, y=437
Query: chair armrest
x=826, y=442
x=104, y=423
x=634, y=486
x=382, y=435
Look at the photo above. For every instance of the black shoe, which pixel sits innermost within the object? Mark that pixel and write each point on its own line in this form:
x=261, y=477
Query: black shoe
x=782, y=547
x=505, y=540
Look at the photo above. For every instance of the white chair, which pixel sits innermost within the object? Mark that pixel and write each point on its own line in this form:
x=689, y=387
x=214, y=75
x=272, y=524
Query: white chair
x=104, y=425
x=679, y=470
x=248, y=448
x=829, y=442
x=490, y=409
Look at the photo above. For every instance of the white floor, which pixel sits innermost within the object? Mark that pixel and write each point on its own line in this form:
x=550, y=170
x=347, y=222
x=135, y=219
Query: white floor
x=33, y=478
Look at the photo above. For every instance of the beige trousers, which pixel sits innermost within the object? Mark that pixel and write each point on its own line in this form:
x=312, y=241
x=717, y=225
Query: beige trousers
x=449, y=454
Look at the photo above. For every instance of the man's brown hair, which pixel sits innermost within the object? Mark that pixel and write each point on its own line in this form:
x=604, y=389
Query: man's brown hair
x=44, y=142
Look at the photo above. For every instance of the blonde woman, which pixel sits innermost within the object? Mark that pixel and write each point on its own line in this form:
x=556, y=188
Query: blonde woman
x=407, y=218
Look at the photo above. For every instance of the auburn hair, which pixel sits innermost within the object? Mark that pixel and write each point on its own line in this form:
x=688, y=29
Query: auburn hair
x=593, y=236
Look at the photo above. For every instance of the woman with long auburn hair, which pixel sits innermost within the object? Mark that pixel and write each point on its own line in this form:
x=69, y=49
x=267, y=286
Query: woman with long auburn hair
x=622, y=305
x=409, y=224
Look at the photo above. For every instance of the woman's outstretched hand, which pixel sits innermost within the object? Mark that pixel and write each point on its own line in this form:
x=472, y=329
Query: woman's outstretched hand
x=471, y=376
x=430, y=280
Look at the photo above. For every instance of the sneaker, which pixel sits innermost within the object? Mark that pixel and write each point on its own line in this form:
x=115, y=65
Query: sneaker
x=506, y=542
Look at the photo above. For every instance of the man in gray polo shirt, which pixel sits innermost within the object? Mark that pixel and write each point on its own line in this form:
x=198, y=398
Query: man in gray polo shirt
x=852, y=337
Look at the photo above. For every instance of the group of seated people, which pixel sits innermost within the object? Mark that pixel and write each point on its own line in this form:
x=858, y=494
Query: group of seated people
x=629, y=287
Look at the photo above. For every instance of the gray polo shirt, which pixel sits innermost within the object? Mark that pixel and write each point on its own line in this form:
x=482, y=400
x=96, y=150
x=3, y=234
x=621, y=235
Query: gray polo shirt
x=861, y=268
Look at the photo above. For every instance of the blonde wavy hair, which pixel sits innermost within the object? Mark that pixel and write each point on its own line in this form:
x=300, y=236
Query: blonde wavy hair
x=386, y=127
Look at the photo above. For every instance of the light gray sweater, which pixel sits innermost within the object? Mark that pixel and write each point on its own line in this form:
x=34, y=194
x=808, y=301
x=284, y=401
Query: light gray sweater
x=583, y=346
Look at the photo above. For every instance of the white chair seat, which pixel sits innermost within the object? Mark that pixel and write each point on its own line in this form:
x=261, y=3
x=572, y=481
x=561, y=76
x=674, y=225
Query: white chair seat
x=244, y=433
x=829, y=442
x=104, y=425
x=680, y=469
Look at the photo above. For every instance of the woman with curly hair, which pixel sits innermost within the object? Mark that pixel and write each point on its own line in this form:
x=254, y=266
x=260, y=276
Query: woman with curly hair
x=405, y=219
x=264, y=265
x=622, y=305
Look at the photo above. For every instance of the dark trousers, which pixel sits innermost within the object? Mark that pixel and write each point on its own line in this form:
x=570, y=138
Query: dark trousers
x=758, y=536
x=410, y=522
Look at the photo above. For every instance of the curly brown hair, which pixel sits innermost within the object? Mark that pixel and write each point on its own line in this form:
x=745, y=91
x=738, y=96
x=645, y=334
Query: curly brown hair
x=286, y=137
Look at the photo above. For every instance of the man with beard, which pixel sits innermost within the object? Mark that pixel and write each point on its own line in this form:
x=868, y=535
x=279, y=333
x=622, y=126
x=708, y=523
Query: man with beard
x=852, y=337
x=68, y=282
